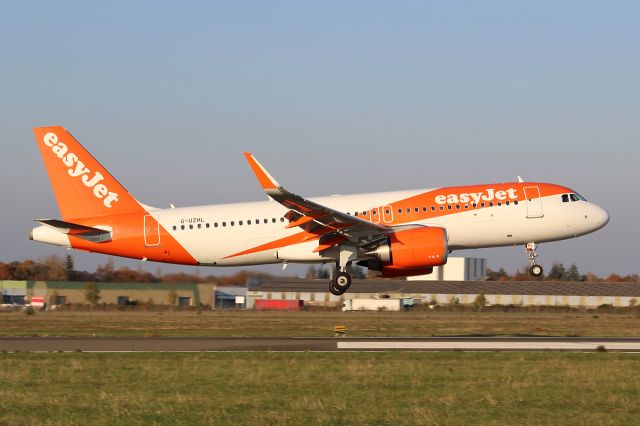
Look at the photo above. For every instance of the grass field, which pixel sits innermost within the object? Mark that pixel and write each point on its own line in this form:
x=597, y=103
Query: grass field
x=320, y=388
x=449, y=388
x=320, y=323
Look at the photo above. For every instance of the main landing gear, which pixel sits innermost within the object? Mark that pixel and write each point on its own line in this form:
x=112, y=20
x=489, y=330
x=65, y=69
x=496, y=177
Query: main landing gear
x=347, y=253
x=340, y=283
x=535, y=270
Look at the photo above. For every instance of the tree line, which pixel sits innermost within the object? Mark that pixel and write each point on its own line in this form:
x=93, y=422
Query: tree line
x=55, y=268
x=559, y=272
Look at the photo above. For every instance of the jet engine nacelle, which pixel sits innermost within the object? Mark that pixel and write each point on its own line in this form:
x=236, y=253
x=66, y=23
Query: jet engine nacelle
x=412, y=252
x=388, y=272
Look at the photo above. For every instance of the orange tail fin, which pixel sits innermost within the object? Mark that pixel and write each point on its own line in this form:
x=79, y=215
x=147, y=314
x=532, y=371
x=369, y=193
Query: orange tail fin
x=82, y=187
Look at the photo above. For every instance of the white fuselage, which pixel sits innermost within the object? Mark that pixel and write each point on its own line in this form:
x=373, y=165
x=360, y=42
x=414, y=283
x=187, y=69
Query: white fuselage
x=219, y=234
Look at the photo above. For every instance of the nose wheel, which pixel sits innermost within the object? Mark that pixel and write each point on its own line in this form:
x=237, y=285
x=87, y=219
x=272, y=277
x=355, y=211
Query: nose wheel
x=340, y=284
x=535, y=270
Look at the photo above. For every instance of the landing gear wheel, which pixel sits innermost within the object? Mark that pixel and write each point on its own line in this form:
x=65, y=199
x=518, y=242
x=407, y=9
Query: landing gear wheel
x=336, y=291
x=343, y=280
x=340, y=284
x=536, y=271
x=532, y=252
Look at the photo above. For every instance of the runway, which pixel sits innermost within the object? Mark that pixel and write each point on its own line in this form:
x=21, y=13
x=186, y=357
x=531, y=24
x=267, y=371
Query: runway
x=297, y=344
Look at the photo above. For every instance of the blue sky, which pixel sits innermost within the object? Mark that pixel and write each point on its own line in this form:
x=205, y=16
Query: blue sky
x=333, y=97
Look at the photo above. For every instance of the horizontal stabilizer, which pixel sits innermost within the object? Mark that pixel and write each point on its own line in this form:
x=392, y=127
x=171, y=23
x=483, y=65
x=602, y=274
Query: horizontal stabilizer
x=80, y=231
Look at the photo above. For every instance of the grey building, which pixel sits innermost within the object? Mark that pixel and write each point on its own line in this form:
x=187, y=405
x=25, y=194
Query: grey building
x=525, y=293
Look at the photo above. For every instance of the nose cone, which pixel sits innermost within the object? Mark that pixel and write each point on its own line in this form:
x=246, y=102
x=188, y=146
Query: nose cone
x=599, y=217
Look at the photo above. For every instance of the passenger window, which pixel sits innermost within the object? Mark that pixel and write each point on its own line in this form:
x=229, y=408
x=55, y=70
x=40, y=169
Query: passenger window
x=266, y=221
x=182, y=227
x=491, y=204
x=408, y=210
x=457, y=206
x=174, y=227
x=466, y=206
x=474, y=205
x=515, y=202
x=374, y=213
x=400, y=211
x=433, y=208
x=249, y=222
x=199, y=226
x=449, y=206
x=282, y=219
x=416, y=209
x=506, y=203
x=207, y=225
x=239, y=223
x=190, y=226
x=224, y=224
x=273, y=220
x=482, y=205
x=356, y=214
x=232, y=223
x=387, y=211
x=441, y=208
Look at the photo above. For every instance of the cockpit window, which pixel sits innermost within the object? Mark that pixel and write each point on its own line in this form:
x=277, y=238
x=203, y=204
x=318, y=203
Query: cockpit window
x=572, y=197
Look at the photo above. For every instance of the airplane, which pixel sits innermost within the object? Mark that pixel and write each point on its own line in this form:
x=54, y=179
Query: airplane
x=397, y=234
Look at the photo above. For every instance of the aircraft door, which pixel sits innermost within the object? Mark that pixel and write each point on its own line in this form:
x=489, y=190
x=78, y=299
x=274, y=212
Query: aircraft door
x=151, y=231
x=534, y=202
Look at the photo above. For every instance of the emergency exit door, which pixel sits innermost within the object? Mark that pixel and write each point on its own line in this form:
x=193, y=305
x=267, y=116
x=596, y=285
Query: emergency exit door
x=151, y=231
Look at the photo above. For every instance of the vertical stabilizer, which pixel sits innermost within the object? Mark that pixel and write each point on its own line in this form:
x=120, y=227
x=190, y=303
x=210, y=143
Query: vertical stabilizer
x=81, y=185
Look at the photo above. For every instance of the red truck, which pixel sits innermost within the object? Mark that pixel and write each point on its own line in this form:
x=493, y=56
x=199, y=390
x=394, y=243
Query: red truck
x=278, y=305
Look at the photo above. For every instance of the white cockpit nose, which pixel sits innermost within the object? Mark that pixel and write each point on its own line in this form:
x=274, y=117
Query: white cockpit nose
x=599, y=217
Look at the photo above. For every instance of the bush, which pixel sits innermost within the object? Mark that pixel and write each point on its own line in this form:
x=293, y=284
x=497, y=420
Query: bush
x=480, y=301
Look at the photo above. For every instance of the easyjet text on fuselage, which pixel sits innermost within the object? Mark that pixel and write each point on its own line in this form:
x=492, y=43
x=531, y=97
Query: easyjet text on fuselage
x=490, y=194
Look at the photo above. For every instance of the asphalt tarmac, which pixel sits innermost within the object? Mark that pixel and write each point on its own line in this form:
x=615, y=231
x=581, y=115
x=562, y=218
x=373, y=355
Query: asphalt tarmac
x=279, y=344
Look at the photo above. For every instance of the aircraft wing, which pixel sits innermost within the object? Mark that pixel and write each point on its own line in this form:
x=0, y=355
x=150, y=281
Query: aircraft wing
x=330, y=226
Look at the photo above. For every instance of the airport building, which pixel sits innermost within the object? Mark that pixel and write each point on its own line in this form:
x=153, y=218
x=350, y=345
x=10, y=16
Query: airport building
x=315, y=293
x=73, y=292
x=522, y=293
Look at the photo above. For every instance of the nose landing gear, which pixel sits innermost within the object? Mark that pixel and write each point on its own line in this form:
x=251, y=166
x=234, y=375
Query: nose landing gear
x=535, y=270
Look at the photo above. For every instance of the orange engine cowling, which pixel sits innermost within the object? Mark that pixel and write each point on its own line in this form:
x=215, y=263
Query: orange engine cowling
x=412, y=252
x=388, y=272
